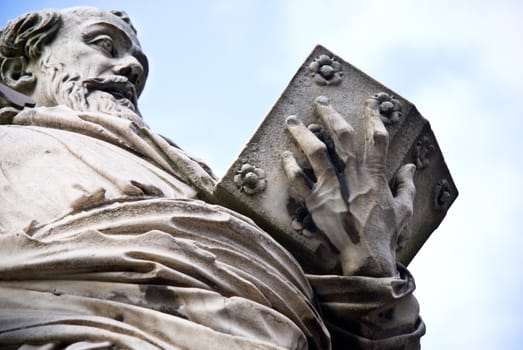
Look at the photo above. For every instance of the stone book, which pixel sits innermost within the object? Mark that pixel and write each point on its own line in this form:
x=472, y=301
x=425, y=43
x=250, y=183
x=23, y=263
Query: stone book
x=257, y=186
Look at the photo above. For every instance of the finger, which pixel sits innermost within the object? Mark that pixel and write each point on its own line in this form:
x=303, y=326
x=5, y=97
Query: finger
x=377, y=136
x=312, y=147
x=300, y=185
x=405, y=189
x=340, y=131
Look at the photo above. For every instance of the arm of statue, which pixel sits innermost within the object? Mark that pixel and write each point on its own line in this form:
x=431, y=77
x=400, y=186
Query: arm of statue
x=353, y=206
x=370, y=305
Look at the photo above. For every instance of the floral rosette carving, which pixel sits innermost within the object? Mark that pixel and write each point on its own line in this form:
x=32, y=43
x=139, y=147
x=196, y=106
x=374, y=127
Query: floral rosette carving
x=326, y=70
x=424, y=149
x=250, y=179
x=442, y=195
x=390, y=108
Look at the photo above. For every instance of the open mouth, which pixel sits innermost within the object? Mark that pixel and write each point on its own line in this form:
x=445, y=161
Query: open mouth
x=118, y=86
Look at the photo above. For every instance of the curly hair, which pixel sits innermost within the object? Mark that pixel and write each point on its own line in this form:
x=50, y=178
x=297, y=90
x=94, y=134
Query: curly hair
x=26, y=35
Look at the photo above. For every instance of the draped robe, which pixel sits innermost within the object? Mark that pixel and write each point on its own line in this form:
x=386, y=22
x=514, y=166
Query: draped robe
x=105, y=243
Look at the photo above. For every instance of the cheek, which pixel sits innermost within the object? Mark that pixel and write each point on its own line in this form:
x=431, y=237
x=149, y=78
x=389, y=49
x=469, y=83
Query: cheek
x=96, y=63
x=83, y=60
x=69, y=55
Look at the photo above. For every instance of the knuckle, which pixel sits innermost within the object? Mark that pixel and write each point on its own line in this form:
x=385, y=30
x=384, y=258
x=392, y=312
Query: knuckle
x=408, y=189
x=380, y=136
x=327, y=178
x=411, y=189
x=343, y=129
x=292, y=173
x=346, y=157
x=318, y=150
x=346, y=138
x=406, y=208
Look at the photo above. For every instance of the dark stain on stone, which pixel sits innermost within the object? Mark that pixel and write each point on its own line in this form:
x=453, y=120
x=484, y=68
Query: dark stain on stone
x=158, y=294
x=171, y=310
x=162, y=299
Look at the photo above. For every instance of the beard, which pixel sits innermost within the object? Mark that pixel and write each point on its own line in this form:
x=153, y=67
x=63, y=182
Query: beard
x=113, y=94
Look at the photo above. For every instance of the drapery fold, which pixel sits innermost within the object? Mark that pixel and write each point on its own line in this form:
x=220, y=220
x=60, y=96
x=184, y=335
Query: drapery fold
x=136, y=262
x=194, y=263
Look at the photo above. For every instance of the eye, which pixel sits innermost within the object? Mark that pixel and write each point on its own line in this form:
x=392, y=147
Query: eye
x=105, y=43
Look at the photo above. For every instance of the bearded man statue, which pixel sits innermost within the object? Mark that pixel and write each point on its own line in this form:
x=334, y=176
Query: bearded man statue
x=109, y=237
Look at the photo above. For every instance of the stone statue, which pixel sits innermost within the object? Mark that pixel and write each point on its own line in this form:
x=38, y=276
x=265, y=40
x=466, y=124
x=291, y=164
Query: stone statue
x=110, y=238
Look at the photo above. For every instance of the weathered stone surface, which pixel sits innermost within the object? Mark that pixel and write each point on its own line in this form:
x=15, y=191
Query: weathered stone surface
x=411, y=141
x=109, y=235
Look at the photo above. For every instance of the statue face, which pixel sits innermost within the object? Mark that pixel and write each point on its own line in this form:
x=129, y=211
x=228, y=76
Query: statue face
x=94, y=63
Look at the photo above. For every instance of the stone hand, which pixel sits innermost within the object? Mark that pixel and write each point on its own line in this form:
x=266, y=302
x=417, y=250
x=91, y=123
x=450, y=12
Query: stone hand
x=350, y=199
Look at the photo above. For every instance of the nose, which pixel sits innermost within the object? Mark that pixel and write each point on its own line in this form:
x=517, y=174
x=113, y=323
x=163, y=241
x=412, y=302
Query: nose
x=130, y=68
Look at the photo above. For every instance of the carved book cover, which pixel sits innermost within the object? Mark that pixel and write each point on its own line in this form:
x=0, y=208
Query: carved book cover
x=257, y=186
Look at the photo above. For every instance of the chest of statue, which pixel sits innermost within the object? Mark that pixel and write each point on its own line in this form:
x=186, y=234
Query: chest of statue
x=59, y=173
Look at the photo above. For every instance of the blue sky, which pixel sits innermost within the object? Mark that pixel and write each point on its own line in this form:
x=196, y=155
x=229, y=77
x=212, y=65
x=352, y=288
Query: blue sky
x=217, y=67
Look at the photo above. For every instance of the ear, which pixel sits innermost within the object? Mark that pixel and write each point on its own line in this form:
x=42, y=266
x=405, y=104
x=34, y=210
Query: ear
x=13, y=73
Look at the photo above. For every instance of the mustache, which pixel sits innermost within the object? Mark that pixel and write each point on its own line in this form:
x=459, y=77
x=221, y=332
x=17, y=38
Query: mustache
x=116, y=85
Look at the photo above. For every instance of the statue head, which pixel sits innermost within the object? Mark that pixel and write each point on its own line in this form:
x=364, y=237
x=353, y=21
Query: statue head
x=85, y=58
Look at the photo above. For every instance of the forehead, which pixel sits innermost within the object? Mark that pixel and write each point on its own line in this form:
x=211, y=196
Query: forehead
x=84, y=20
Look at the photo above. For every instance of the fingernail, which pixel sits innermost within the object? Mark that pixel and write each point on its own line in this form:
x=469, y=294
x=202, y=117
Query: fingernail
x=410, y=168
x=292, y=120
x=322, y=100
x=413, y=169
x=287, y=154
